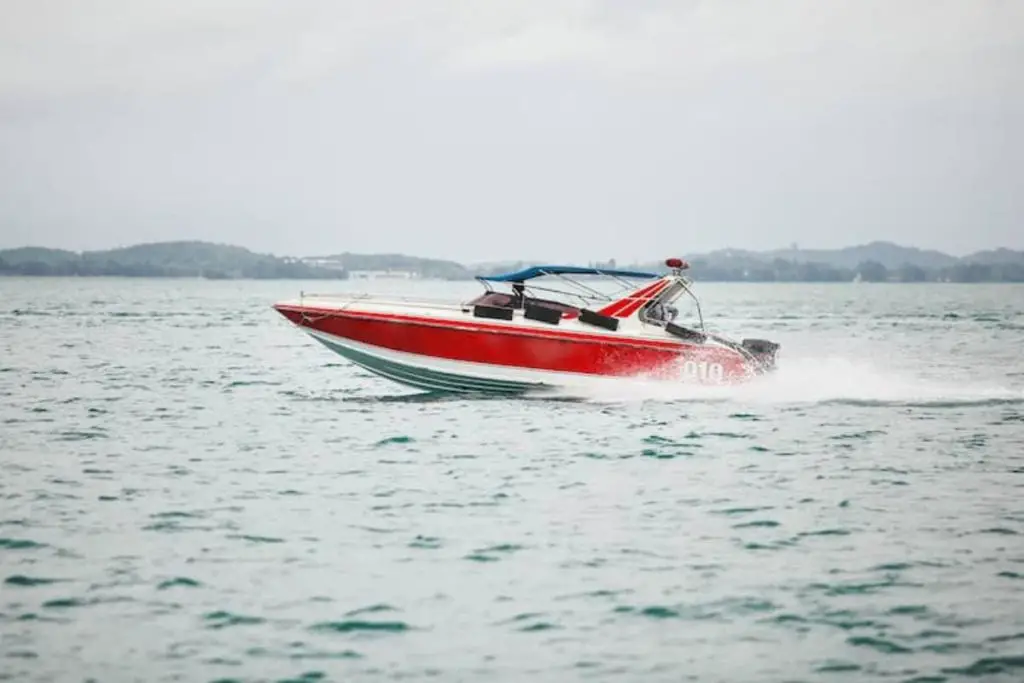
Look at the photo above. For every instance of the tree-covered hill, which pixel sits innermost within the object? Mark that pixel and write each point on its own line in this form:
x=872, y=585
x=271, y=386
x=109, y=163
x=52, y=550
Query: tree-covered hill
x=874, y=262
x=163, y=259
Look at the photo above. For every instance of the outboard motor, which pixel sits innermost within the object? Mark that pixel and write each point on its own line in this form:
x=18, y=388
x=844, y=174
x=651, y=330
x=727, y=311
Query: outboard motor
x=763, y=351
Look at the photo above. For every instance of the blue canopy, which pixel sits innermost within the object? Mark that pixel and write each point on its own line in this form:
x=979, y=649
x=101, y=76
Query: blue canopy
x=540, y=271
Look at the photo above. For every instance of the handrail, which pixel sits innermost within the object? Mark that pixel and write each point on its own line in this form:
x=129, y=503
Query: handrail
x=696, y=301
x=349, y=298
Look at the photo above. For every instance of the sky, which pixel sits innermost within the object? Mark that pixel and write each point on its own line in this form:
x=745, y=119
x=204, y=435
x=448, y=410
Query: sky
x=567, y=130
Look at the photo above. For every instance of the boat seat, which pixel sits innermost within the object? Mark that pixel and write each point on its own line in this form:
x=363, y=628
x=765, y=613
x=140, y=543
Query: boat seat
x=494, y=299
x=566, y=310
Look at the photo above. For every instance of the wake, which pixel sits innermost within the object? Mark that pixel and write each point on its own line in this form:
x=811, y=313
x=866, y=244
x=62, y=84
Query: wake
x=815, y=380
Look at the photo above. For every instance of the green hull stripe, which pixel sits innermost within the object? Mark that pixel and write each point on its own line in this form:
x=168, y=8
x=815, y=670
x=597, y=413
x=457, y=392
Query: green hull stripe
x=431, y=380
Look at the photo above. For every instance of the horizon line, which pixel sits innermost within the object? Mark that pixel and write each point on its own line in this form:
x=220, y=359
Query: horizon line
x=791, y=248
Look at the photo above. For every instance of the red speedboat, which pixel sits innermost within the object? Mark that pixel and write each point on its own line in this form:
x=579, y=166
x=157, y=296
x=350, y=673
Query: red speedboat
x=534, y=336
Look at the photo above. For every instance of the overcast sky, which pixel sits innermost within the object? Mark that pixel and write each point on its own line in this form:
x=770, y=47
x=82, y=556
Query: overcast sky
x=488, y=129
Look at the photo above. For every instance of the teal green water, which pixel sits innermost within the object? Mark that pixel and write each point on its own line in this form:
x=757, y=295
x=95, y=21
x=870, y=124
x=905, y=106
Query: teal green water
x=193, y=490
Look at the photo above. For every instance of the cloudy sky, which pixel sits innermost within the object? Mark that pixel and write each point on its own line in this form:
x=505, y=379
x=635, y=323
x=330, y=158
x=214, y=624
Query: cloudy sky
x=491, y=129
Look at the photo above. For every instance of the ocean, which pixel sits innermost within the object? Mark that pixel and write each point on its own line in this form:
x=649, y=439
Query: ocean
x=194, y=490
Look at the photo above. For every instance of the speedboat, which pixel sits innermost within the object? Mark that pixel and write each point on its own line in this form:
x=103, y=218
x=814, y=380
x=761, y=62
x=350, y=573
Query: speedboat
x=536, y=335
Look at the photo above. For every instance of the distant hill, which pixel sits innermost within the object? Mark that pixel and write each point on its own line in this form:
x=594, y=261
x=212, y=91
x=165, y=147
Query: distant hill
x=873, y=262
x=876, y=261
x=163, y=259
x=997, y=256
x=50, y=257
x=888, y=254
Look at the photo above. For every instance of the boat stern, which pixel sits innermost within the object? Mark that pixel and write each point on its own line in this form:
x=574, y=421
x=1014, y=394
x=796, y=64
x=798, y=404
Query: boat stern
x=764, y=353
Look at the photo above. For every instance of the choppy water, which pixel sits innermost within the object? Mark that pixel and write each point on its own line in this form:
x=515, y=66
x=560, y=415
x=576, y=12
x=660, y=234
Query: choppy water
x=193, y=490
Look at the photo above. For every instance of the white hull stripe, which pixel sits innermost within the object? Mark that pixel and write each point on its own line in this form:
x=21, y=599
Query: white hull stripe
x=420, y=377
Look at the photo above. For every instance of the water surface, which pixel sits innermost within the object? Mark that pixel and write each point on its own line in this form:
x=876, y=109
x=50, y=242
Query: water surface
x=193, y=490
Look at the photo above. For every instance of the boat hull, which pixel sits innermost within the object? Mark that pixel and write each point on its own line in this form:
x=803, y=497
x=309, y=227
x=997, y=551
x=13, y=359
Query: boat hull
x=462, y=354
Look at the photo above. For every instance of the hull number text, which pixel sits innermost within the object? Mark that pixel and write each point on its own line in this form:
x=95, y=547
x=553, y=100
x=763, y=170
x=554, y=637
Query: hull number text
x=704, y=371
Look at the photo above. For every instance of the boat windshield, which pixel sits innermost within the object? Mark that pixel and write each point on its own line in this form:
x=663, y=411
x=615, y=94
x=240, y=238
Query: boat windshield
x=677, y=304
x=559, y=292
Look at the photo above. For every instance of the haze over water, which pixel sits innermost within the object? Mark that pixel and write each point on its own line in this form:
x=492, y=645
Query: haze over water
x=194, y=490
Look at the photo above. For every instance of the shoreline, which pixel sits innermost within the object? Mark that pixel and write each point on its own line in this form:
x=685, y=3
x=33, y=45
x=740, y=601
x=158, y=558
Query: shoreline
x=412, y=281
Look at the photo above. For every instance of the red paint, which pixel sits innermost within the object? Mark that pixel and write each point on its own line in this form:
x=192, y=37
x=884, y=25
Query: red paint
x=631, y=303
x=677, y=263
x=478, y=342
